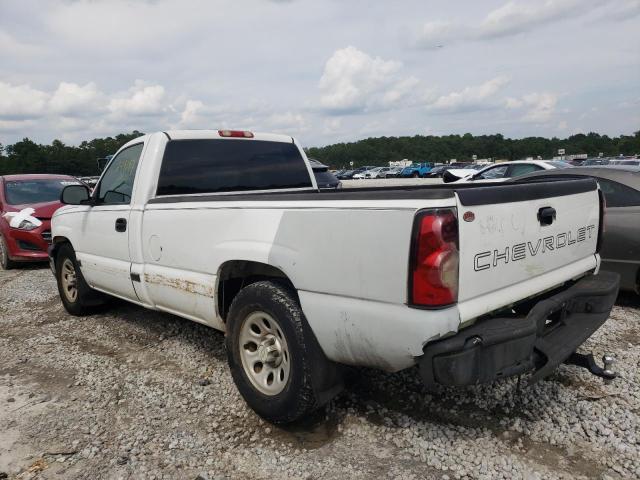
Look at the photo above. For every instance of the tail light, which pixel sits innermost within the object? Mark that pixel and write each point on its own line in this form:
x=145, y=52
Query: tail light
x=235, y=133
x=601, y=227
x=433, y=269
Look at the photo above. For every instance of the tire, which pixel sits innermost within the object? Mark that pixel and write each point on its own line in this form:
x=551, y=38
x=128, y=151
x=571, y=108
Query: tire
x=415, y=175
x=257, y=351
x=77, y=296
x=5, y=262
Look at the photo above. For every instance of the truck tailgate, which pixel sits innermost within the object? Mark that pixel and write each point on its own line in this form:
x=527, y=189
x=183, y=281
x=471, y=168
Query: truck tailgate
x=518, y=240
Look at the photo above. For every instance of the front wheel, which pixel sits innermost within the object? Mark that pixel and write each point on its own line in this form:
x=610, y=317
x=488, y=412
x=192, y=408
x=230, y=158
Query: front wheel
x=272, y=353
x=5, y=262
x=77, y=296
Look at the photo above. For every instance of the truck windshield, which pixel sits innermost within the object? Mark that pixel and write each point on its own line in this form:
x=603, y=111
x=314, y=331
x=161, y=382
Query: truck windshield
x=210, y=166
x=25, y=192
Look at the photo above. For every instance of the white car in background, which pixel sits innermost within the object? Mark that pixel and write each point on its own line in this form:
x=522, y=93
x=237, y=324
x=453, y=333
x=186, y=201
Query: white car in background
x=392, y=172
x=626, y=162
x=502, y=171
x=378, y=172
x=365, y=173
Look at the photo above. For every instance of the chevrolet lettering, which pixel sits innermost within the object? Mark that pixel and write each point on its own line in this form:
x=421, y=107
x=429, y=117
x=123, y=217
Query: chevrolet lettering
x=520, y=251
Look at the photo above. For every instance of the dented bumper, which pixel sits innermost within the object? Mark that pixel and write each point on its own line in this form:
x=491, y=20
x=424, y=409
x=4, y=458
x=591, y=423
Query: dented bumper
x=538, y=342
x=28, y=245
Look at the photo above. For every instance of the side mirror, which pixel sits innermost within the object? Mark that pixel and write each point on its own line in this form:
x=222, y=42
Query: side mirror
x=75, y=195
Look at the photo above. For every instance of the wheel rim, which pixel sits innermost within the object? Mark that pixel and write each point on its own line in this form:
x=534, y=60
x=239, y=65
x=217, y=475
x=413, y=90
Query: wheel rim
x=264, y=353
x=68, y=279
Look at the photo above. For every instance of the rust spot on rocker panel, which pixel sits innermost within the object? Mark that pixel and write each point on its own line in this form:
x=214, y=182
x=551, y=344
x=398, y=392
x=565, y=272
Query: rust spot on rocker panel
x=179, y=284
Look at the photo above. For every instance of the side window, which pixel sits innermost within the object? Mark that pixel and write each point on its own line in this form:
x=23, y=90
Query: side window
x=619, y=195
x=522, y=169
x=116, y=185
x=495, y=172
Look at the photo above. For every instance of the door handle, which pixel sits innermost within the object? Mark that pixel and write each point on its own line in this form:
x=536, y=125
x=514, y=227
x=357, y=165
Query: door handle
x=121, y=225
x=546, y=215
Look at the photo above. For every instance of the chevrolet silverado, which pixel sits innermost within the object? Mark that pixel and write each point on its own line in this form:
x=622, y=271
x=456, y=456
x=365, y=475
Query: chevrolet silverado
x=228, y=228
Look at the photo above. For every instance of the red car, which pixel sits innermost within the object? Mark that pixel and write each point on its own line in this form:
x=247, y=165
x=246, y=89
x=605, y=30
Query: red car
x=25, y=234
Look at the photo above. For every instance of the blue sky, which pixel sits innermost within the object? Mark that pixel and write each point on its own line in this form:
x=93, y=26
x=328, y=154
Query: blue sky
x=323, y=71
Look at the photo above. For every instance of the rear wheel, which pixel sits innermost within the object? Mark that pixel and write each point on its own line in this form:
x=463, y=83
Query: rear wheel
x=77, y=296
x=5, y=262
x=415, y=175
x=272, y=353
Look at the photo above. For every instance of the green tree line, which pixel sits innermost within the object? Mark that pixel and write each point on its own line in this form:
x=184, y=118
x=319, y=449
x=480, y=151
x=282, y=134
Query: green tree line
x=381, y=150
x=27, y=156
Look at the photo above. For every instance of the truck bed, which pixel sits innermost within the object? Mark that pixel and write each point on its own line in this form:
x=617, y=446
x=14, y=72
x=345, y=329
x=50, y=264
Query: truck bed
x=468, y=193
x=347, y=252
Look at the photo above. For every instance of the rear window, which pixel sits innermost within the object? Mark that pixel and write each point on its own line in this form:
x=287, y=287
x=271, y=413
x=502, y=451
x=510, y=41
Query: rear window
x=25, y=192
x=211, y=166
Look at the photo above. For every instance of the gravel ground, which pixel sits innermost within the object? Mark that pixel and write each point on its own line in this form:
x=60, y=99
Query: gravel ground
x=131, y=393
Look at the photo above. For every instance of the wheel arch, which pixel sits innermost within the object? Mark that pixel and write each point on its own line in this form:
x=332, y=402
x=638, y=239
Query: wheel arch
x=234, y=275
x=56, y=243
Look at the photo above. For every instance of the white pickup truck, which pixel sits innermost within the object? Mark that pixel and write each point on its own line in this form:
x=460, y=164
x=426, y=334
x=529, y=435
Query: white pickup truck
x=227, y=228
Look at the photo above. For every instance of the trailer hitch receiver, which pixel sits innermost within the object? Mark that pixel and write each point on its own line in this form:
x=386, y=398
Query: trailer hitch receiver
x=588, y=362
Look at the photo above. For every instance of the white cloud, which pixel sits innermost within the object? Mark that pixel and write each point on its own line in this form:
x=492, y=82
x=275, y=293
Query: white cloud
x=83, y=108
x=470, y=98
x=21, y=102
x=538, y=107
x=287, y=122
x=191, y=116
x=541, y=106
x=399, y=91
x=73, y=99
x=356, y=82
x=439, y=34
x=620, y=10
x=141, y=99
x=512, y=18
x=515, y=17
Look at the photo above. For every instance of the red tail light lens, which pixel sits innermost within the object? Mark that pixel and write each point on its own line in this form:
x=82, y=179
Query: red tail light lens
x=433, y=271
x=235, y=133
